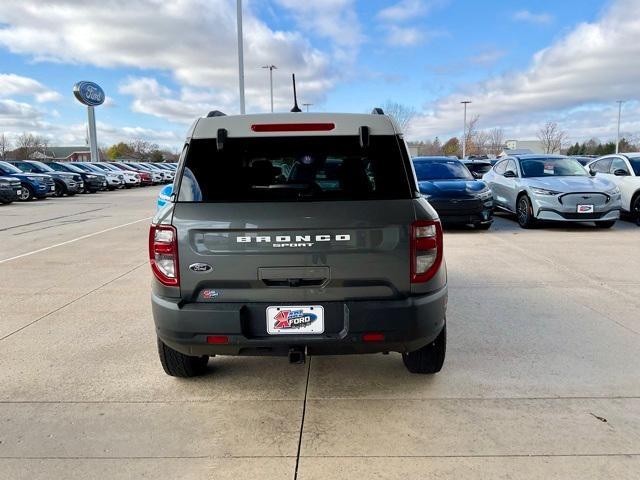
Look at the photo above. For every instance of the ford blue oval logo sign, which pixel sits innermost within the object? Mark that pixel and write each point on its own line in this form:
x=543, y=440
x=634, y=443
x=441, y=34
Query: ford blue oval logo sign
x=200, y=267
x=89, y=93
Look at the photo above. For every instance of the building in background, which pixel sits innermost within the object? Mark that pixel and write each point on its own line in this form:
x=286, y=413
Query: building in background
x=65, y=154
x=535, y=146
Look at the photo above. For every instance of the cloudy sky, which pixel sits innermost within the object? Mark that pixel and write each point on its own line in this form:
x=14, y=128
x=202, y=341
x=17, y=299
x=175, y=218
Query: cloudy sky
x=163, y=63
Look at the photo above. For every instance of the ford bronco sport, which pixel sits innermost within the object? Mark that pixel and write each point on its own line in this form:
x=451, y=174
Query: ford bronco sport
x=297, y=233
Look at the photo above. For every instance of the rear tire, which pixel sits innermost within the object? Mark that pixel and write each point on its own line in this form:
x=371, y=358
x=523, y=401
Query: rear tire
x=177, y=364
x=607, y=224
x=430, y=358
x=524, y=211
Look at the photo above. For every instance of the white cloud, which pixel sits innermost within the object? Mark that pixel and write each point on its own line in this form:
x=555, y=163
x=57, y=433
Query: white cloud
x=592, y=65
x=18, y=115
x=193, y=40
x=404, y=36
x=487, y=57
x=17, y=118
x=530, y=17
x=408, y=10
x=393, y=22
x=333, y=19
x=154, y=99
x=12, y=85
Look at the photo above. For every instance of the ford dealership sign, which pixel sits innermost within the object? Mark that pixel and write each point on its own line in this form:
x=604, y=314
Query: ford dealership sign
x=89, y=93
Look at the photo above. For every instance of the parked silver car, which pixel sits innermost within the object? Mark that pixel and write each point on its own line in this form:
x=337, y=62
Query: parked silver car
x=552, y=187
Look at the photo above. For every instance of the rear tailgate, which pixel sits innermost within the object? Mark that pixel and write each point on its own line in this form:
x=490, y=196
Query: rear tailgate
x=283, y=253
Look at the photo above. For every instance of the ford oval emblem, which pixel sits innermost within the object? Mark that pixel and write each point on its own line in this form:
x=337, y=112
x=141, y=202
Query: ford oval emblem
x=200, y=267
x=89, y=93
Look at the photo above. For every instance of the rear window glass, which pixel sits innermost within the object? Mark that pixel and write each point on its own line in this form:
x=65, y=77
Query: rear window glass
x=294, y=169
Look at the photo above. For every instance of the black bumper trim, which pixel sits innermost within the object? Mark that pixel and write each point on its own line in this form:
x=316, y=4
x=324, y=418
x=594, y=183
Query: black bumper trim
x=407, y=325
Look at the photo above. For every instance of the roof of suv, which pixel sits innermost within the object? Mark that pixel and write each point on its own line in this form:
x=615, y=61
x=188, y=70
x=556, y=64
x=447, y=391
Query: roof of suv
x=536, y=155
x=287, y=124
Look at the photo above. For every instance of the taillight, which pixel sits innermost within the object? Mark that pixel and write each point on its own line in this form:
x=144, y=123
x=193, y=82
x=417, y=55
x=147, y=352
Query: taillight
x=426, y=250
x=163, y=254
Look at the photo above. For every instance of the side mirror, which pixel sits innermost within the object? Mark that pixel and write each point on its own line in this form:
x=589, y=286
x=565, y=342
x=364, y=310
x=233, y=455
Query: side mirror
x=592, y=172
x=510, y=174
x=476, y=175
x=620, y=172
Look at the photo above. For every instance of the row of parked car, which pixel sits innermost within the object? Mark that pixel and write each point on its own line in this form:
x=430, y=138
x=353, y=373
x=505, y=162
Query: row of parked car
x=533, y=187
x=26, y=180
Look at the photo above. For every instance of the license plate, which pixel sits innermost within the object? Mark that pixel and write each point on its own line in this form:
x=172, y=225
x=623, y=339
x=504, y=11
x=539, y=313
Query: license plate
x=295, y=320
x=53, y=189
x=585, y=208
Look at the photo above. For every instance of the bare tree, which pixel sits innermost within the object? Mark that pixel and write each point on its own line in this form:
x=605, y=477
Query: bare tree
x=495, y=143
x=402, y=114
x=480, y=142
x=471, y=137
x=551, y=137
x=5, y=145
x=141, y=149
x=44, y=145
x=27, y=144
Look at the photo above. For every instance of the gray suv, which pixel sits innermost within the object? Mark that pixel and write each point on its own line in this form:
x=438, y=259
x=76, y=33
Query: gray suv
x=289, y=234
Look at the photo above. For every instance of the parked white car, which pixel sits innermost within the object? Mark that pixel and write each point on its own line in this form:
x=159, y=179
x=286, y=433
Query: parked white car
x=624, y=170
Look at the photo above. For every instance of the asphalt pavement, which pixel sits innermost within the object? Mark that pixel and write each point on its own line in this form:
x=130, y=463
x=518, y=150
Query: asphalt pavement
x=542, y=377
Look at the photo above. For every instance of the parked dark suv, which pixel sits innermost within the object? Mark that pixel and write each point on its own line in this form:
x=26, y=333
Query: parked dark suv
x=65, y=183
x=32, y=185
x=294, y=234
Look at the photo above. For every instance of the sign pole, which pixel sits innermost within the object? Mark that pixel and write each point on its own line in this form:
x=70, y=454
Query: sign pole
x=93, y=138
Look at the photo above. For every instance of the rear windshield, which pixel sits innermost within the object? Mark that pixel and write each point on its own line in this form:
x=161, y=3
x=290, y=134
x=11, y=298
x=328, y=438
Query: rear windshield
x=294, y=169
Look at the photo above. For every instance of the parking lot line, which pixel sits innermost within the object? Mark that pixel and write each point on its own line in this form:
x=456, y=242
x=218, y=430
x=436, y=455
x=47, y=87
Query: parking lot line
x=73, y=240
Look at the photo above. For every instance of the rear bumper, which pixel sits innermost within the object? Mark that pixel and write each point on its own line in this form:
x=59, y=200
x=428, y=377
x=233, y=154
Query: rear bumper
x=407, y=325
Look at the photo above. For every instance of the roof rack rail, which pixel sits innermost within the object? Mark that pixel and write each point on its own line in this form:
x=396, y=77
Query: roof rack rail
x=216, y=113
x=377, y=111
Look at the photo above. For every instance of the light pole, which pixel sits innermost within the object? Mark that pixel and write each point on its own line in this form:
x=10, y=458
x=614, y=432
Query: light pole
x=464, y=129
x=307, y=105
x=619, y=102
x=240, y=55
x=271, y=68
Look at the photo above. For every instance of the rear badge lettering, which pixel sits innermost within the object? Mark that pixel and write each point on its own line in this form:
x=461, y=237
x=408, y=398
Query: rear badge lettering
x=294, y=241
x=200, y=267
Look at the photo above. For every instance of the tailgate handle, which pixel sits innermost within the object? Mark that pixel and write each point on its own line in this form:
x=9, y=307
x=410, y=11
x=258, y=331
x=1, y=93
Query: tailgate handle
x=294, y=282
x=294, y=276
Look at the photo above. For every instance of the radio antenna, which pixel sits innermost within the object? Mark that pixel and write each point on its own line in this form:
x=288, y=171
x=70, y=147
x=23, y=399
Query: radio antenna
x=295, y=108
